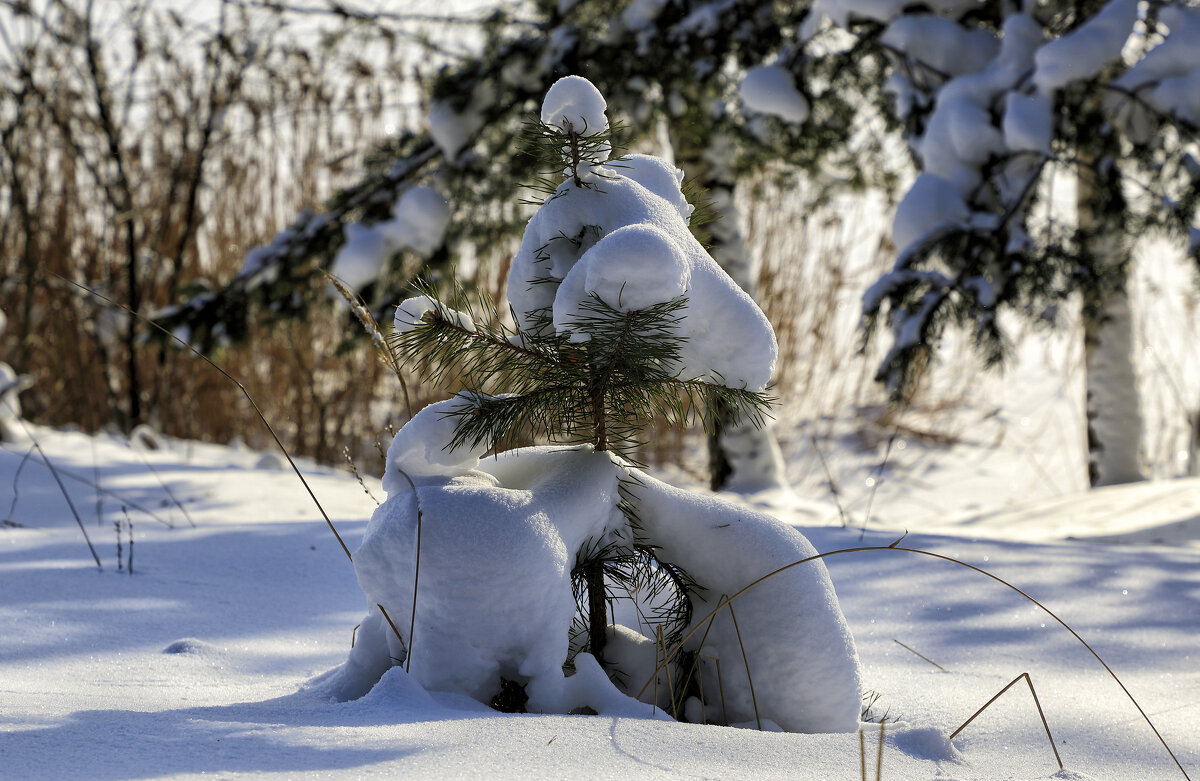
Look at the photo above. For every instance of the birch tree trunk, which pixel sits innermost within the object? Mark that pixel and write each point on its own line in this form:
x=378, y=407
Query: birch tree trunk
x=1114, y=415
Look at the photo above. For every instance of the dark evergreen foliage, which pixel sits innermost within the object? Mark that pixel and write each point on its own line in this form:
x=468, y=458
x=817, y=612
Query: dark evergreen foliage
x=674, y=71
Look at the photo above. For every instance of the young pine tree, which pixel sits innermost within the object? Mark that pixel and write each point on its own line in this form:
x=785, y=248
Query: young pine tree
x=620, y=318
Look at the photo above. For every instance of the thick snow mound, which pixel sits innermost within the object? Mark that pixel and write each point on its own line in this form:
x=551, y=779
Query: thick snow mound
x=610, y=271
x=574, y=104
x=494, y=600
x=728, y=337
x=494, y=597
x=801, y=655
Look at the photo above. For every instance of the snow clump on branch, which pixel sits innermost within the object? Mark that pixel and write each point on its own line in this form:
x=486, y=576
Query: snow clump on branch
x=770, y=89
x=419, y=220
x=574, y=249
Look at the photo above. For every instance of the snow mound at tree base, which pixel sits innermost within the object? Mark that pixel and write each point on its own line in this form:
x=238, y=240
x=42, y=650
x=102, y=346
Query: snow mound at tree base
x=804, y=672
x=494, y=596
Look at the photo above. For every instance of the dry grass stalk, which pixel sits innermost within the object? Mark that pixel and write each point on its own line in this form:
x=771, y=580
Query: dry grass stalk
x=745, y=661
x=62, y=489
x=917, y=653
x=1041, y=714
x=412, y=626
x=895, y=547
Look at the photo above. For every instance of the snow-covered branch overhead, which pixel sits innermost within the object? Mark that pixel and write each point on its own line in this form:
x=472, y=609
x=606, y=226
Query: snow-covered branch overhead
x=994, y=102
x=690, y=58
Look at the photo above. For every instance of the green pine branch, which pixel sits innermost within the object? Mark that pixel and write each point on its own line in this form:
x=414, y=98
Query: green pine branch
x=538, y=385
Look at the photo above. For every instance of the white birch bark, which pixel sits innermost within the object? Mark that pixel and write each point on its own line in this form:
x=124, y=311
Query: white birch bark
x=1114, y=413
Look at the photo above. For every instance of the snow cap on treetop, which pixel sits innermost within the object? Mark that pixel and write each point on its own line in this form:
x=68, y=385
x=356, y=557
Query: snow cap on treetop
x=574, y=104
x=619, y=231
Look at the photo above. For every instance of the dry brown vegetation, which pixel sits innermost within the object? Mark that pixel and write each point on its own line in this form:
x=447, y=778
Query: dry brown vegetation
x=142, y=149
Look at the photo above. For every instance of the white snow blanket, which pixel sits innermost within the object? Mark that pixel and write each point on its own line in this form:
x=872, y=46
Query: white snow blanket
x=498, y=541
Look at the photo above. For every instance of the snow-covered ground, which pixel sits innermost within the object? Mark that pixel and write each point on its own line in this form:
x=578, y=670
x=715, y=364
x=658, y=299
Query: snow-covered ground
x=197, y=663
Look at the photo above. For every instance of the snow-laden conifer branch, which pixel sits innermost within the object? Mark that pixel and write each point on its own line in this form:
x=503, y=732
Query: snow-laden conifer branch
x=448, y=347
x=647, y=63
x=581, y=147
x=551, y=387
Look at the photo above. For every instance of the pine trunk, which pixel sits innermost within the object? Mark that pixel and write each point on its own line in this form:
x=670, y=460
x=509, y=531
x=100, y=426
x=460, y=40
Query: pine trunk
x=593, y=572
x=1114, y=417
x=740, y=457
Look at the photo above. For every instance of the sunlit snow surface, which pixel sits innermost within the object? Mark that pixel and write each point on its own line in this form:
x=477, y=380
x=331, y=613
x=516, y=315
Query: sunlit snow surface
x=200, y=662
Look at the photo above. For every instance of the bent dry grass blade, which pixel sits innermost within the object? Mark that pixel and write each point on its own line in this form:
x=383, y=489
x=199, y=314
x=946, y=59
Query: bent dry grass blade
x=1036, y=701
x=58, y=479
x=250, y=399
x=895, y=547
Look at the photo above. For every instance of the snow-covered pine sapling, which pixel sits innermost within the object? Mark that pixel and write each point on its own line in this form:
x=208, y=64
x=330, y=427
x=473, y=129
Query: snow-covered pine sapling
x=598, y=365
x=619, y=316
